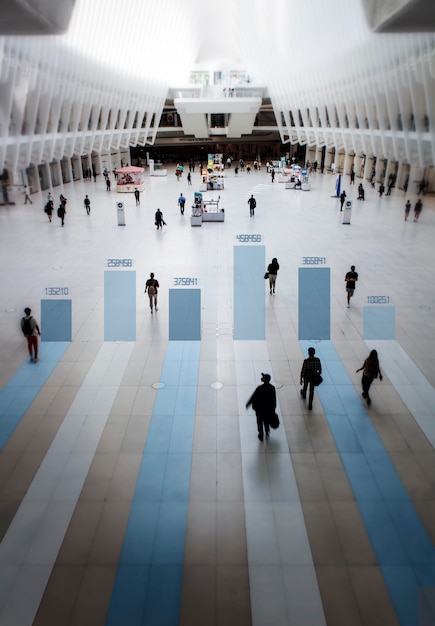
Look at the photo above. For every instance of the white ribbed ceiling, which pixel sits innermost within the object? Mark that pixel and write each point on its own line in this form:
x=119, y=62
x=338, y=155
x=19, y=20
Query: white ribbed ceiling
x=169, y=38
x=330, y=79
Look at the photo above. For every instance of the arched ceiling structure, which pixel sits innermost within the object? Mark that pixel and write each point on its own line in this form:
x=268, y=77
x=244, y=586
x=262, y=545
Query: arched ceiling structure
x=104, y=82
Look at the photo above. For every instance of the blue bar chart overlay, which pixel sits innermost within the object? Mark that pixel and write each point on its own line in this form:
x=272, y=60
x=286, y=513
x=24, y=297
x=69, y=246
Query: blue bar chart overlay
x=249, y=292
x=184, y=314
x=119, y=306
x=314, y=303
x=56, y=320
x=379, y=322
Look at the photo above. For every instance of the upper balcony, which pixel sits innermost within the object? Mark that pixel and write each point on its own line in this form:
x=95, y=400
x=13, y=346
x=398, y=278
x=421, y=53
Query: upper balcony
x=240, y=104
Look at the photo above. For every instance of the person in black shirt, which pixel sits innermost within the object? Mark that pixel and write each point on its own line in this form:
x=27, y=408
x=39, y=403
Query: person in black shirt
x=263, y=401
x=152, y=287
x=417, y=209
x=311, y=367
x=350, y=278
x=158, y=219
x=342, y=199
x=272, y=269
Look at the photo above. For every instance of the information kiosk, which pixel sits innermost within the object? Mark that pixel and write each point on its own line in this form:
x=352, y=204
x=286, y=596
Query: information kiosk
x=206, y=210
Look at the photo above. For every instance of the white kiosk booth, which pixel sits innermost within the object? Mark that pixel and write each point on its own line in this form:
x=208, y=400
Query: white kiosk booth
x=206, y=210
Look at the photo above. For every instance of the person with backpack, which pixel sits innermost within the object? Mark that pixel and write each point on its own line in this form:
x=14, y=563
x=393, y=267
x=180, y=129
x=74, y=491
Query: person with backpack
x=87, y=204
x=49, y=208
x=151, y=287
x=371, y=371
x=31, y=332
x=252, y=204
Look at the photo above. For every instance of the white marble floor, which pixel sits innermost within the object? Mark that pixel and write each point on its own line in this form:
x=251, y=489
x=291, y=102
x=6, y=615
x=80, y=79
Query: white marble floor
x=275, y=532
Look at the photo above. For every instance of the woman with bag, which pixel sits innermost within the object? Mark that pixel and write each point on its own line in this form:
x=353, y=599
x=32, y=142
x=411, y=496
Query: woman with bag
x=371, y=371
x=272, y=270
x=310, y=375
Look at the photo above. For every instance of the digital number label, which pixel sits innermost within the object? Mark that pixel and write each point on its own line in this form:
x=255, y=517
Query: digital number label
x=56, y=291
x=249, y=238
x=378, y=299
x=119, y=262
x=313, y=260
x=182, y=281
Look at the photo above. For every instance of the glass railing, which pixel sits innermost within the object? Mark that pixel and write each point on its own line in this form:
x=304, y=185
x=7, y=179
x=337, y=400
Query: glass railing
x=217, y=93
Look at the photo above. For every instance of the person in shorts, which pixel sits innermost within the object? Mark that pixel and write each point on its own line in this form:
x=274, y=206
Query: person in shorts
x=151, y=288
x=351, y=279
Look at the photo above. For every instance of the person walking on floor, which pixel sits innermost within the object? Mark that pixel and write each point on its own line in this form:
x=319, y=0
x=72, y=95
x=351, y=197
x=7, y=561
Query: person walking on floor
x=31, y=332
x=407, y=210
x=137, y=196
x=182, y=202
x=371, y=370
x=351, y=278
x=391, y=181
x=272, y=174
x=272, y=270
x=151, y=288
x=108, y=183
x=263, y=401
x=252, y=204
x=49, y=208
x=61, y=211
x=342, y=199
x=189, y=178
x=87, y=204
x=417, y=209
x=311, y=369
x=158, y=219
x=27, y=197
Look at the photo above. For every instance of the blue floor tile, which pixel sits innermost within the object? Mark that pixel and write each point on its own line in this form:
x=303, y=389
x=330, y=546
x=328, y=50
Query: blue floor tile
x=156, y=529
x=383, y=534
x=127, y=607
x=22, y=389
x=362, y=481
x=344, y=435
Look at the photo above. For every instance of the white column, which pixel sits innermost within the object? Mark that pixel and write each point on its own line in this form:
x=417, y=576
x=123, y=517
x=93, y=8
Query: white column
x=346, y=164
